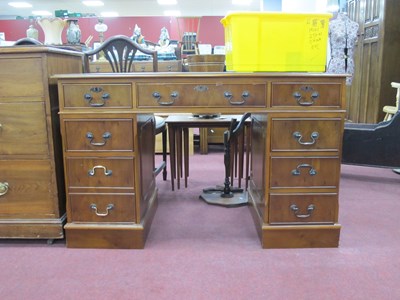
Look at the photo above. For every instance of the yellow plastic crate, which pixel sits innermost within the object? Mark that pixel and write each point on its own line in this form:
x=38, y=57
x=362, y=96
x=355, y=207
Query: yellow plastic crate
x=277, y=42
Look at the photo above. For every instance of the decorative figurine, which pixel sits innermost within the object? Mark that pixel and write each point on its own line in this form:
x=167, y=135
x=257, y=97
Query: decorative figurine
x=137, y=35
x=164, y=37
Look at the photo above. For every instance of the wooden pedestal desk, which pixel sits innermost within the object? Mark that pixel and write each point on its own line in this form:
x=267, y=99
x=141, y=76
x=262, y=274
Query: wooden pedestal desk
x=107, y=130
x=32, y=194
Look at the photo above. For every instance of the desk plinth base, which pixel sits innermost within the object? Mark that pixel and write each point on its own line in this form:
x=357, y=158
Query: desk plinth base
x=294, y=236
x=110, y=235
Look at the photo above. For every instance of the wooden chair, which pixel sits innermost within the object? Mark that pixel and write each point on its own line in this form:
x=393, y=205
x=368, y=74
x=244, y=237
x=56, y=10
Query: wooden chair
x=391, y=110
x=27, y=41
x=120, y=52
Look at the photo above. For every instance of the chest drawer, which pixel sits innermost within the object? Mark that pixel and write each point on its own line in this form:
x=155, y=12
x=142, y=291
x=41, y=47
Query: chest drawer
x=100, y=172
x=102, y=208
x=202, y=94
x=312, y=172
x=99, y=135
x=96, y=96
x=306, y=94
x=306, y=134
x=303, y=208
x=26, y=188
x=15, y=72
x=23, y=129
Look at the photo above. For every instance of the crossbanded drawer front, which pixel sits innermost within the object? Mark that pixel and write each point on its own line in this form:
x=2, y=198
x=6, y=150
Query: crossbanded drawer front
x=100, y=173
x=306, y=134
x=99, y=135
x=23, y=129
x=303, y=208
x=306, y=94
x=202, y=94
x=97, y=96
x=25, y=71
x=313, y=172
x=102, y=208
x=25, y=189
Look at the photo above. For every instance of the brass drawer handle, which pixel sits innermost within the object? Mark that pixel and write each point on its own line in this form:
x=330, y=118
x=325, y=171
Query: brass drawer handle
x=93, y=171
x=295, y=210
x=245, y=95
x=90, y=137
x=301, y=100
x=3, y=188
x=105, y=214
x=298, y=136
x=297, y=171
x=173, y=96
x=89, y=98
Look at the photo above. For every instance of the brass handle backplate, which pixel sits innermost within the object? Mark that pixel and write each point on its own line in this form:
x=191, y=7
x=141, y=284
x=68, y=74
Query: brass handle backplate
x=229, y=96
x=301, y=99
x=173, y=97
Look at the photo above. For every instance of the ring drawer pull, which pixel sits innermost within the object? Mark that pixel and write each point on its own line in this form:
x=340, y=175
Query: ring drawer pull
x=3, y=188
x=245, y=95
x=90, y=137
x=297, y=171
x=298, y=136
x=108, y=208
x=173, y=96
x=93, y=171
x=300, y=100
x=295, y=210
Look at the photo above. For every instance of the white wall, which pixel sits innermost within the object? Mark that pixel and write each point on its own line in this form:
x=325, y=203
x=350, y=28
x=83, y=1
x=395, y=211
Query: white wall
x=304, y=5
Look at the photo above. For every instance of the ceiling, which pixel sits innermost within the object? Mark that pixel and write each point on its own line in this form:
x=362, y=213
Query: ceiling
x=129, y=7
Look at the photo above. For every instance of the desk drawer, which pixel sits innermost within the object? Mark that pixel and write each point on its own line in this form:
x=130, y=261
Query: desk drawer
x=303, y=208
x=100, y=172
x=99, y=135
x=305, y=172
x=202, y=94
x=97, y=96
x=306, y=94
x=306, y=134
x=102, y=208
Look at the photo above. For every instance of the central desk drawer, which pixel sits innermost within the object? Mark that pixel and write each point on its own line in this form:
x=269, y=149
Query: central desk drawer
x=100, y=172
x=305, y=134
x=102, y=207
x=97, y=96
x=99, y=135
x=202, y=95
x=305, y=172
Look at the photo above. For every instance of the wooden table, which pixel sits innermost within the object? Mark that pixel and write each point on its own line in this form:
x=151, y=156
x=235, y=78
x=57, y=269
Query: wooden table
x=296, y=133
x=178, y=126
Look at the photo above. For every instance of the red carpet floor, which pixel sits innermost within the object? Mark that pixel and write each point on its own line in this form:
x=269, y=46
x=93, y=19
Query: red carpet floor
x=198, y=251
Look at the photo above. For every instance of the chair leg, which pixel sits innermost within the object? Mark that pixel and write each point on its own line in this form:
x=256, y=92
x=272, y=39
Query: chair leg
x=164, y=153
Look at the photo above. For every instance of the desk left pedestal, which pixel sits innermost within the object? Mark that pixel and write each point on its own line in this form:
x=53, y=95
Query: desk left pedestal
x=109, y=162
x=32, y=193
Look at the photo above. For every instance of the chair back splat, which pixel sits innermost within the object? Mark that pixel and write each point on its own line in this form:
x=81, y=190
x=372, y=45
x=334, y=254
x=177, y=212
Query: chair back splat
x=120, y=52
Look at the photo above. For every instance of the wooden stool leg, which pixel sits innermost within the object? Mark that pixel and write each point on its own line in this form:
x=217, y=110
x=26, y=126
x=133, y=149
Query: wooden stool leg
x=186, y=154
x=164, y=153
x=203, y=140
x=248, y=148
x=178, y=157
x=172, y=153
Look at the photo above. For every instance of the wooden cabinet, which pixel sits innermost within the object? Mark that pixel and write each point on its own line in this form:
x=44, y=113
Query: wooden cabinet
x=108, y=139
x=32, y=194
x=376, y=59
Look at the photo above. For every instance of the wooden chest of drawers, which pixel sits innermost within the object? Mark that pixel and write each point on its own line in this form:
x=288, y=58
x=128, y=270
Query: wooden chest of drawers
x=32, y=194
x=297, y=125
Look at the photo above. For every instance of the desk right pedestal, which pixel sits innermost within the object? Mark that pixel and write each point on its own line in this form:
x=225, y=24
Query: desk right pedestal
x=293, y=188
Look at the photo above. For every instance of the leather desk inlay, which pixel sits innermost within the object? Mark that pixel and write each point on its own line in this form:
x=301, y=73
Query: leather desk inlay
x=296, y=133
